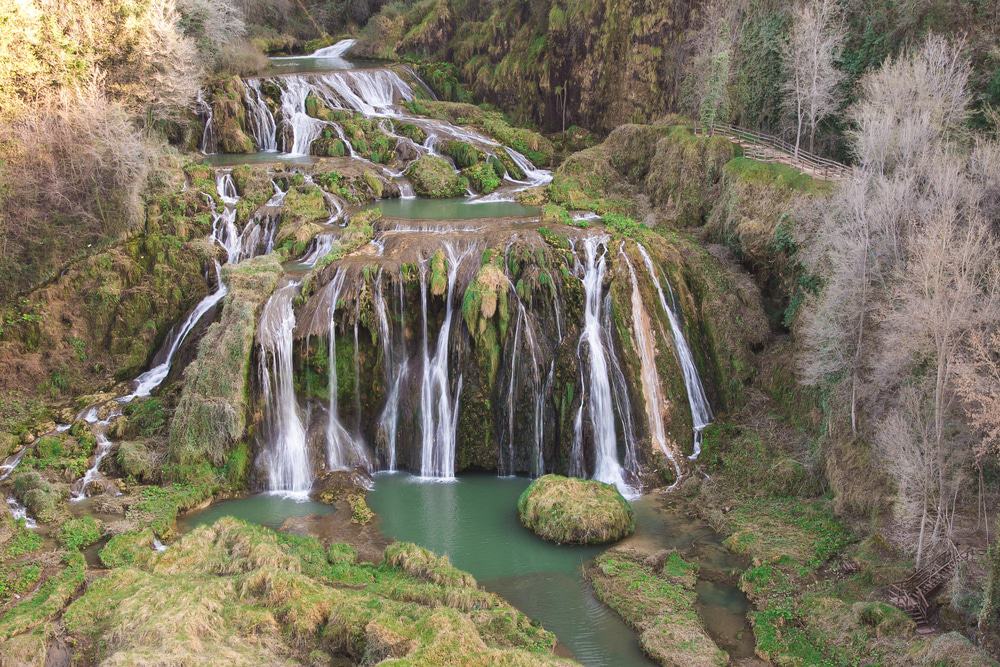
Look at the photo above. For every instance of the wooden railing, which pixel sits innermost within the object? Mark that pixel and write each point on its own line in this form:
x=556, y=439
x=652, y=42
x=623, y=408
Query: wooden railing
x=911, y=594
x=768, y=148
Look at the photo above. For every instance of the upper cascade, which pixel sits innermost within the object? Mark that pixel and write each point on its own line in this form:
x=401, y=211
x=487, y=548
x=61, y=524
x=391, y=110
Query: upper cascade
x=289, y=114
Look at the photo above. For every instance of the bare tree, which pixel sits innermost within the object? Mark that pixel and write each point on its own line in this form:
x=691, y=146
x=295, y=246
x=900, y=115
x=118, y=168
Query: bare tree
x=909, y=259
x=909, y=105
x=978, y=383
x=811, y=53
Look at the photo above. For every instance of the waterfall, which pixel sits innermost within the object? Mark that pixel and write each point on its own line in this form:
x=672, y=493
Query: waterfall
x=369, y=92
x=259, y=117
x=286, y=456
x=335, y=51
x=209, y=140
x=395, y=369
x=151, y=379
x=438, y=407
x=651, y=391
x=321, y=246
x=342, y=450
x=619, y=389
x=524, y=331
x=599, y=401
x=99, y=427
x=701, y=411
x=304, y=128
x=533, y=175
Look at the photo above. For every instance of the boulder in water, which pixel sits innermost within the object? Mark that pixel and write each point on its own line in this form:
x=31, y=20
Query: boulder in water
x=575, y=511
x=433, y=176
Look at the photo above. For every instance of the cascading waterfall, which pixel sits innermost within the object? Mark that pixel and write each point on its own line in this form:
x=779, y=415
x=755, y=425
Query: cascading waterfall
x=651, y=390
x=342, y=449
x=209, y=140
x=238, y=246
x=259, y=117
x=304, y=128
x=701, y=411
x=151, y=379
x=619, y=389
x=78, y=491
x=286, y=457
x=394, y=363
x=599, y=401
x=438, y=406
x=336, y=50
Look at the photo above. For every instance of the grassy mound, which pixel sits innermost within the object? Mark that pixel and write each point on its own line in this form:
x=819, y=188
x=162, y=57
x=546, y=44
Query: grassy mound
x=576, y=511
x=244, y=594
x=655, y=595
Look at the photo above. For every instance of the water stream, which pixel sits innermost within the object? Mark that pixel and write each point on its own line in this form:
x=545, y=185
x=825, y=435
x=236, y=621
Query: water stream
x=701, y=411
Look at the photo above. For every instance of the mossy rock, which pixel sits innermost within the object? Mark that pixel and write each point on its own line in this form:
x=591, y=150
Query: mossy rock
x=575, y=511
x=433, y=177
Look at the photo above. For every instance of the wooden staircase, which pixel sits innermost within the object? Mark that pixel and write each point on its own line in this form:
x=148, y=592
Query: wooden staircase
x=911, y=594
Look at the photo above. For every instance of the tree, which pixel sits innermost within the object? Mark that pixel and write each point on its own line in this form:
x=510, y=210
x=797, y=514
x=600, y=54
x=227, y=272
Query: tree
x=909, y=260
x=709, y=69
x=811, y=53
x=978, y=382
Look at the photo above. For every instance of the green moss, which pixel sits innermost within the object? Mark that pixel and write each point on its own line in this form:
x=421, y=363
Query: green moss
x=146, y=416
x=47, y=601
x=462, y=153
x=136, y=461
x=42, y=498
x=657, y=600
x=434, y=177
x=575, y=511
x=482, y=177
x=21, y=543
x=129, y=550
x=79, y=533
x=412, y=132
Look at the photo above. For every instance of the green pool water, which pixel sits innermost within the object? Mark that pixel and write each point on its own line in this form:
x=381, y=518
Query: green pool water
x=264, y=509
x=474, y=521
x=451, y=209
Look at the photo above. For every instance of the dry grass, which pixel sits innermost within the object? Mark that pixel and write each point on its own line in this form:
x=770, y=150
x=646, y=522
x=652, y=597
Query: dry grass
x=232, y=593
x=575, y=511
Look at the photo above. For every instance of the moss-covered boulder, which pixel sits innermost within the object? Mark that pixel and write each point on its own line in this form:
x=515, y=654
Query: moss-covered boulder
x=575, y=511
x=211, y=415
x=433, y=176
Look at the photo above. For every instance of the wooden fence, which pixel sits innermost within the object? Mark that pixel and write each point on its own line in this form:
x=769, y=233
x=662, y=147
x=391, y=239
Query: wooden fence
x=768, y=148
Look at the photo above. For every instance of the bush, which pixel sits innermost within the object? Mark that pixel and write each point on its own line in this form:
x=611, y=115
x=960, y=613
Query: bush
x=80, y=533
x=575, y=511
x=74, y=173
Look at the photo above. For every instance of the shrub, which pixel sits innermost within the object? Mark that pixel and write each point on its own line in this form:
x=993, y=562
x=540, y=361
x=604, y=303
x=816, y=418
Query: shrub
x=74, y=173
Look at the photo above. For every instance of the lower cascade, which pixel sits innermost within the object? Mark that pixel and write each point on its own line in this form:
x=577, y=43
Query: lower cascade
x=286, y=459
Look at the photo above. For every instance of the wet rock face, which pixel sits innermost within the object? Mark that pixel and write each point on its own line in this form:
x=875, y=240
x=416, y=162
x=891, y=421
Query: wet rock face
x=575, y=511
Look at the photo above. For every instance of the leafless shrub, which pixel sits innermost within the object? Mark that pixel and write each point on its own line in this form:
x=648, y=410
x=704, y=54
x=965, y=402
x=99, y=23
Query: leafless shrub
x=74, y=173
x=214, y=25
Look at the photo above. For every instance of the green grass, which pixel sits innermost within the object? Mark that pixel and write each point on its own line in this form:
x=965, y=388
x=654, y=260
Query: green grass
x=78, y=533
x=776, y=173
